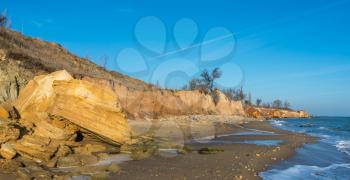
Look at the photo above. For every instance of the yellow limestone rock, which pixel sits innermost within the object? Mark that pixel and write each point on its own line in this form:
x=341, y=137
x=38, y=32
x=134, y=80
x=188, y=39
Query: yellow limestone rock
x=90, y=106
x=36, y=97
x=36, y=147
x=49, y=128
x=3, y=113
x=93, y=107
x=7, y=151
x=8, y=132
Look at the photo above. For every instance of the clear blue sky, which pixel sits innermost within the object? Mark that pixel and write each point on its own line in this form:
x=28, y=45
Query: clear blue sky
x=288, y=49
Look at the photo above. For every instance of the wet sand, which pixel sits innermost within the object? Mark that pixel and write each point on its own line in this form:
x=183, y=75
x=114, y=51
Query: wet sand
x=237, y=161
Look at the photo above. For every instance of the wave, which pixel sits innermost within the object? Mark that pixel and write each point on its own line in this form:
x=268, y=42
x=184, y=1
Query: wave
x=334, y=171
x=278, y=122
x=343, y=146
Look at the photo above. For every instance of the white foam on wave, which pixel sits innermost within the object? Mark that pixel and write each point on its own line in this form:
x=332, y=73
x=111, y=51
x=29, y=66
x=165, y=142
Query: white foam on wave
x=278, y=122
x=334, y=171
x=323, y=128
x=343, y=146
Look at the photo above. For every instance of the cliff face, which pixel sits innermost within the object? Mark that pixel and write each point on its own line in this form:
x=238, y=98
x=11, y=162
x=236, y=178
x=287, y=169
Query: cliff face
x=269, y=113
x=157, y=103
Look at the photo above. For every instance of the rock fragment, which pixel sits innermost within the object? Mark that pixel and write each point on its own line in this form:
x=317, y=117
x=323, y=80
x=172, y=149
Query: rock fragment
x=7, y=151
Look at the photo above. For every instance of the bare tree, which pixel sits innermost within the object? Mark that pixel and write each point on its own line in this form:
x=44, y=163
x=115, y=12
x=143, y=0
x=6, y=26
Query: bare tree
x=266, y=105
x=206, y=83
x=277, y=104
x=5, y=22
x=208, y=79
x=232, y=94
x=3, y=19
x=286, y=104
x=250, y=98
x=258, y=102
x=104, y=61
x=241, y=94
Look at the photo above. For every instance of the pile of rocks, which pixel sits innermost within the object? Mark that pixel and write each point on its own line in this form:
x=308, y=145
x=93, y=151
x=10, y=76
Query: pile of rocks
x=58, y=121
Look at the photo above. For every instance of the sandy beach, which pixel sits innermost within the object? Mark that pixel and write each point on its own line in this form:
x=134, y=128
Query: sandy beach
x=243, y=150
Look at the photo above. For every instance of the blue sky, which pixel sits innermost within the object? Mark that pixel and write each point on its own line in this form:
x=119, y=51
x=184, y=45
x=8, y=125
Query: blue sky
x=292, y=49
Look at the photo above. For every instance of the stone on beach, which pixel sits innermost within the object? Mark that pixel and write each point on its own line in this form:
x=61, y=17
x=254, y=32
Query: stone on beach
x=76, y=160
x=38, y=148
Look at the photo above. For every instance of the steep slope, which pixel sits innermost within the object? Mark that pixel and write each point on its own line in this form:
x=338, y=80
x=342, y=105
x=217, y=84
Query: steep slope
x=22, y=58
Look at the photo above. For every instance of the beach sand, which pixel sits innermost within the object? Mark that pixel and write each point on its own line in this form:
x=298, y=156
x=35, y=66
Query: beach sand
x=238, y=160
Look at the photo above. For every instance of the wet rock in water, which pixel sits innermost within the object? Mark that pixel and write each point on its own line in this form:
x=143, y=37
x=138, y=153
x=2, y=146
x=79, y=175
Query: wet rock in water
x=141, y=149
x=7, y=151
x=306, y=125
x=100, y=176
x=113, y=168
x=103, y=156
x=76, y=160
x=209, y=150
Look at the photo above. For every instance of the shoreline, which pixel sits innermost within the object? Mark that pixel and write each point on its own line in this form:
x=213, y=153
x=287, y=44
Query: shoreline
x=182, y=147
x=238, y=160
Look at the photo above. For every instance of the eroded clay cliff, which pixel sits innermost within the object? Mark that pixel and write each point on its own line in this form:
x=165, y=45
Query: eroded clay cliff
x=156, y=103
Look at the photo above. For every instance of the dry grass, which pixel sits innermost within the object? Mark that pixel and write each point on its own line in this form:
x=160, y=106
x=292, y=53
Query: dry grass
x=38, y=55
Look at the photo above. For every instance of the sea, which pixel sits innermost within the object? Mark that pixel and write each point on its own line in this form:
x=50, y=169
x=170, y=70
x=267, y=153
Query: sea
x=327, y=159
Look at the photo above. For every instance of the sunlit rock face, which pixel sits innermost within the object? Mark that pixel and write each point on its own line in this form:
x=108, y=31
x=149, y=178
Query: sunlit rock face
x=159, y=103
x=263, y=113
x=91, y=107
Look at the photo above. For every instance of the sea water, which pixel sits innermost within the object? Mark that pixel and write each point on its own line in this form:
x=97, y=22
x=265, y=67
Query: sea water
x=328, y=158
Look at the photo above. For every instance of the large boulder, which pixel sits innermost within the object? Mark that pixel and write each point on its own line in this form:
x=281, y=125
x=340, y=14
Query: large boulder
x=40, y=149
x=92, y=107
x=35, y=99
